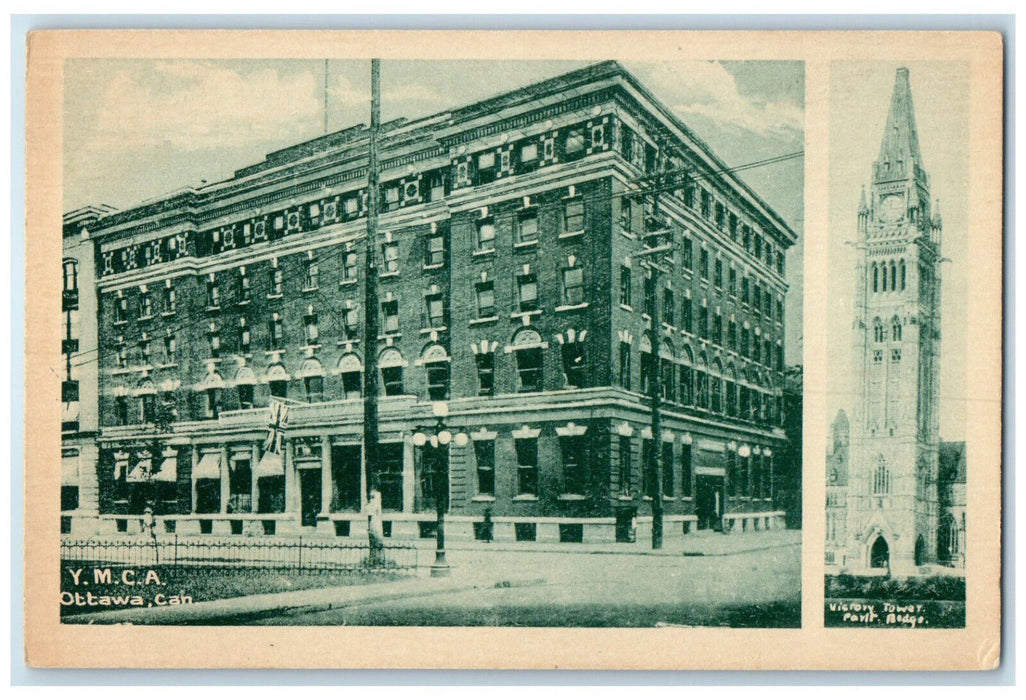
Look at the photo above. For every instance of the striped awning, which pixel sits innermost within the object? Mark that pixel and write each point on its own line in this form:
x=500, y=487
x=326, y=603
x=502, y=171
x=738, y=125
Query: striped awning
x=69, y=470
x=209, y=466
x=271, y=464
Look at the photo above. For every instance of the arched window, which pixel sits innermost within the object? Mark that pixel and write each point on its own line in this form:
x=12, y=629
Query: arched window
x=278, y=380
x=901, y=271
x=686, y=386
x=667, y=385
x=244, y=381
x=391, y=364
x=883, y=277
x=878, y=330
x=894, y=276
x=896, y=329
x=436, y=363
x=876, y=278
x=881, y=478
x=351, y=370
x=527, y=345
x=313, y=379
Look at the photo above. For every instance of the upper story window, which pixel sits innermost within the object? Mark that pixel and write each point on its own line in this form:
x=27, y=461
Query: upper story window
x=213, y=292
x=242, y=290
x=879, y=333
x=310, y=326
x=529, y=153
x=350, y=271
x=687, y=316
x=718, y=273
x=484, y=456
x=70, y=276
x=277, y=279
x=390, y=258
x=276, y=332
x=706, y=204
x=669, y=308
x=703, y=263
x=527, y=291
x=170, y=348
x=170, y=299
x=484, y=236
x=145, y=305
x=650, y=296
x=625, y=285
x=214, y=337
x=312, y=273
x=121, y=310
x=573, y=286
x=245, y=337
x=574, y=142
x=881, y=478
x=436, y=363
x=435, y=250
x=625, y=364
x=573, y=215
x=573, y=360
x=688, y=252
x=391, y=365
x=896, y=329
x=527, y=226
x=350, y=323
x=485, y=292
x=390, y=316
x=434, y=310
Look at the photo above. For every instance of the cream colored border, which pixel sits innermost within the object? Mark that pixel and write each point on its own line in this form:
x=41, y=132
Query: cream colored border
x=977, y=647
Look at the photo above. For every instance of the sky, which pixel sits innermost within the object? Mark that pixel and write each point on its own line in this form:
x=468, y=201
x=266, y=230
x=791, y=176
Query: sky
x=860, y=95
x=137, y=129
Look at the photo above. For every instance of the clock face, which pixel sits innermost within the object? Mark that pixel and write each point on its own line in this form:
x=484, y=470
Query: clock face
x=891, y=209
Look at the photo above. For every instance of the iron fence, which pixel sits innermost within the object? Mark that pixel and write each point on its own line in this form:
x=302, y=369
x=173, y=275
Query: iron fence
x=277, y=554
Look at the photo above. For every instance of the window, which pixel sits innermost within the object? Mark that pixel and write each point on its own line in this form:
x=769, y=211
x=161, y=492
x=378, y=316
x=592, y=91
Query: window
x=121, y=410
x=527, y=292
x=70, y=276
x=242, y=287
x=314, y=385
x=145, y=305
x=484, y=238
x=121, y=310
x=240, y=485
x=732, y=282
x=687, y=316
x=758, y=246
x=434, y=311
x=648, y=468
x=896, y=355
x=390, y=316
x=703, y=321
x=310, y=327
x=573, y=216
x=350, y=323
x=352, y=376
x=436, y=363
x=312, y=273
x=484, y=453
x=213, y=293
x=245, y=395
x=626, y=466
x=486, y=161
x=703, y=263
x=574, y=142
x=718, y=273
x=879, y=334
x=244, y=336
x=646, y=370
x=625, y=365
x=276, y=333
x=214, y=337
x=528, y=152
x=213, y=406
x=573, y=286
x=625, y=285
x=881, y=478
x=685, y=471
x=668, y=306
x=896, y=330
x=650, y=296
x=486, y=373
x=667, y=466
x=170, y=348
x=573, y=364
x=717, y=329
x=390, y=256
x=877, y=357
x=527, y=227
x=527, y=466
x=148, y=407
x=575, y=458
x=122, y=355
x=350, y=270
x=170, y=300
x=688, y=253
x=276, y=280
x=529, y=369
x=435, y=250
x=485, y=299
x=391, y=365
x=706, y=204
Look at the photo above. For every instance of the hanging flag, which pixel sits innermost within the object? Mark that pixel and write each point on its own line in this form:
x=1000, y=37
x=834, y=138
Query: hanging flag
x=276, y=428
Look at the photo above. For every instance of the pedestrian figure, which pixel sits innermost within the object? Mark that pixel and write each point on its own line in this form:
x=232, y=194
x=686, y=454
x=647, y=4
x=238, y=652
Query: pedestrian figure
x=375, y=528
x=488, y=526
x=149, y=524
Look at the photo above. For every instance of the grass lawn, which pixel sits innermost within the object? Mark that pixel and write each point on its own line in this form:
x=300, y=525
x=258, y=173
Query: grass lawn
x=208, y=583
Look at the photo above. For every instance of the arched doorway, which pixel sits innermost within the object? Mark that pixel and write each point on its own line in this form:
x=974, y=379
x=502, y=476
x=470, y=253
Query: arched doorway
x=920, y=551
x=880, y=554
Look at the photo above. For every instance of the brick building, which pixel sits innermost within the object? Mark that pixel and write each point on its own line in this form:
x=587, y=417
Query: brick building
x=508, y=288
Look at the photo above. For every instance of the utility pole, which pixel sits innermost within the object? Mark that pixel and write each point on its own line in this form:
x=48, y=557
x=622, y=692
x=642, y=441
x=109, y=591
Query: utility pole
x=653, y=255
x=370, y=289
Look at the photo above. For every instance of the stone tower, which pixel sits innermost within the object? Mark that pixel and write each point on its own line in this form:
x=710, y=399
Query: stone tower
x=892, y=490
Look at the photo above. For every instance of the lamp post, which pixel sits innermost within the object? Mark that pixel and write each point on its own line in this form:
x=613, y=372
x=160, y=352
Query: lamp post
x=440, y=441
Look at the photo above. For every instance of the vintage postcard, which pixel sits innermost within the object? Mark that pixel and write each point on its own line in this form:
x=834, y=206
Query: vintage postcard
x=513, y=350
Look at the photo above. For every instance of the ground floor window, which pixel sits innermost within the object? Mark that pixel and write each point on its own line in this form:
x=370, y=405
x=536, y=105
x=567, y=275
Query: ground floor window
x=387, y=475
x=484, y=454
x=667, y=466
x=527, y=466
x=208, y=495
x=271, y=494
x=240, y=484
x=685, y=471
x=575, y=459
x=626, y=465
x=69, y=498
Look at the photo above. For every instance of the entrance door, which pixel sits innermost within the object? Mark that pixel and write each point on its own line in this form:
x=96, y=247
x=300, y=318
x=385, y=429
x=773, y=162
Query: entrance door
x=310, y=495
x=880, y=554
x=709, y=501
x=345, y=475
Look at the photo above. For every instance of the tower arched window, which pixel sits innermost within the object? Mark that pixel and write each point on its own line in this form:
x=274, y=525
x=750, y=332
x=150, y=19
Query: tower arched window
x=896, y=329
x=894, y=276
x=883, y=277
x=876, y=278
x=878, y=330
x=881, y=478
x=901, y=272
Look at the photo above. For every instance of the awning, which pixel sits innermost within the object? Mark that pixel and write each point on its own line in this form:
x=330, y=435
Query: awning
x=168, y=469
x=140, y=472
x=209, y=466
x=271, y=464
x=69, y=470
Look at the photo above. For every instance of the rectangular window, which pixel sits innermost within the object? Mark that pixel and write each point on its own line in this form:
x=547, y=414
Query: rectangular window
x=170, y=300
x=573, y=286
x=687, y=316
x=148, y=408
x=573, y=216
x=314, y=388
x=276, y=281
x=390, y=316
x=648, y=468
x=718, y=273
x=312, y=274
x=486, y=161
x=435, y=254
x=529, y=369
x=703, y=322
x=350, y=324
x=650, y=297
x=574, y=142
x=121, y=410
x=527, y=466
x=485, y=299
x=391, y=198
x=625, y=365
x=685, y=470
x=213, y=293
x=276, y=335
x=170, y=348
x=434, y=311
x=215, y=343
x=352, y=384
x=528, y=152
x=244, y=336
x=575, y=458
x=145, y=305
x=349, y=267
x=669, y=308
x=484, y=453
x=245, y=395
x=392, y=380
x=625, y=285
x=486, y=373
x=242, y=293
x=703, y=263
x=527, y=227
x=732, y=282
x=310, y=325
x=626, y=466
x=688, y=253
x=527, y=291
x=121, y=310
x=390, y=258
x=667, y=467
x=484, y=237
x=744, y=290
x=717, y=329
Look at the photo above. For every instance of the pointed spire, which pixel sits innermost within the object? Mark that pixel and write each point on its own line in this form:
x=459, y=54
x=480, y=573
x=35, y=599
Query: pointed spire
x=937, y=223
x=900, y=138
x=863, y=207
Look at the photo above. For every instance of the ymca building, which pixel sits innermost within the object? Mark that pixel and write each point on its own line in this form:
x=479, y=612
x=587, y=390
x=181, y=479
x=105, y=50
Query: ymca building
x=509, y=287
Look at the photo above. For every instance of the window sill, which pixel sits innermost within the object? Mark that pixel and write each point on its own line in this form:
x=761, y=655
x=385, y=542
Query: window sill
x=274, y=352
x=571, y=234
x=435, y=266
x=386, y=336
x=481, y=320
x=525, y=497
x=627, y=234
x=308, y=290
x=118, y=324
x=393, y=273
x=669, y=327
x=242, y=302
x=168, y=365
x=524, y=245
x=625, y=497
x=489, y=251
x=348, y=283
x=572, y=307
x=120, y=370
x=148, y=317
x=483, y=499
x=354, y=341
x=627, y=307
x=313, y=347
x=433, y=329
x=520, y=314
x=213, y=309
x=572, y=497
x=275, y=296
x=167, y=314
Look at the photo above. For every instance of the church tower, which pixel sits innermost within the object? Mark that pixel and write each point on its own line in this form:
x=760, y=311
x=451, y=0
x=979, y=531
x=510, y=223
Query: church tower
x=892, y=490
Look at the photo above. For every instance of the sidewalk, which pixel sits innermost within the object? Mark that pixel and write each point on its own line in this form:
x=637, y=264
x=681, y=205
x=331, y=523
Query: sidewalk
x=483, y=567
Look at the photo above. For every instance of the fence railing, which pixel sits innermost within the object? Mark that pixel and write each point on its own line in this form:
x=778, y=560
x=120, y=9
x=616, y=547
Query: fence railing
x=257, y=553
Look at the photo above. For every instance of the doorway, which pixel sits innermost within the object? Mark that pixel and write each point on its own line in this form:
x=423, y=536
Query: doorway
x=309, y=496
x=880, y=554
x=346, y=462
x=709, y=501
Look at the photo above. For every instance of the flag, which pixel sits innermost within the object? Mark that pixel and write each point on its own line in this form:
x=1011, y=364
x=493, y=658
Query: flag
x=276, y=428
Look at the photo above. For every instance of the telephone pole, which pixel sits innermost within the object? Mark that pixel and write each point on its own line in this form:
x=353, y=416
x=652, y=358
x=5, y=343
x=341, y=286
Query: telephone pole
x=370, y=289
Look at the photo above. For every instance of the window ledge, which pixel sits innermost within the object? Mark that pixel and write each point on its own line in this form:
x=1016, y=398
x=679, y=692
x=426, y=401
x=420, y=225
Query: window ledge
x=627, y=234
x=571, y=234
x=435, y=266
x=211, y=309
x=386, y=336
x=483, y=319
x=525, y=244
x=313, y=347
x=525, y=497
x=148, y=317
x=274, y=352
x=625, y=497
x=433, y=329
x=354, y=341
x=519, y=314
x=120, y=370
x=572, y=307
x=347, y=283
x=394, y=273
x=120, y=323
x=307, y=290
x=167, y=365
x=627, y=307
x=275, y=296
x=483, y=499
x=242, y=302
x=572, y=497
x=489, y=251
x=165, y=314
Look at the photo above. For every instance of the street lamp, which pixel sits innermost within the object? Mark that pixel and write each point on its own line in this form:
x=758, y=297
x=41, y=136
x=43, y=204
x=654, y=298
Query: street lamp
x=440, y=440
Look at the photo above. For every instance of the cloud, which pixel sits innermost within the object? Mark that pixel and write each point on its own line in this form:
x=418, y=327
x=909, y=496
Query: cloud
x=708, y=90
